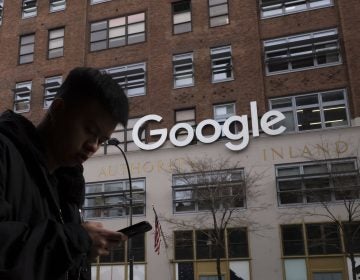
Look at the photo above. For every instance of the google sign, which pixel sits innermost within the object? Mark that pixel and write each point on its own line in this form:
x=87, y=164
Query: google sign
x=269, y=119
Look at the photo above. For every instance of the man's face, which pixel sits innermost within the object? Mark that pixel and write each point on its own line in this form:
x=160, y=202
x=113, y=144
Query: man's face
x=79, y=131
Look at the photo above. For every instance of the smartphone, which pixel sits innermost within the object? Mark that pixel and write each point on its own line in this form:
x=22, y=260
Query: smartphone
x=136, y=229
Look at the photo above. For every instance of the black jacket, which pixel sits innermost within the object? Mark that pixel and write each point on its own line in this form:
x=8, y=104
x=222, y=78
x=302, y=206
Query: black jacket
x=37, y=240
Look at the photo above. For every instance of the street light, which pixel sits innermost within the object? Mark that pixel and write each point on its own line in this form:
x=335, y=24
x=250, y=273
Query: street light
x=115, y=142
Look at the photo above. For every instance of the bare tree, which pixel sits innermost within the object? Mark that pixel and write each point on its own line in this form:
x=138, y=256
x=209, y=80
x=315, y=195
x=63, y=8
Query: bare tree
x=220, y=189
x=336, y=190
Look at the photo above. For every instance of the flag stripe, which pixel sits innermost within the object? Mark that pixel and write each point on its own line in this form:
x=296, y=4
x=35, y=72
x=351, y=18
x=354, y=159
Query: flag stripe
x=157, y=238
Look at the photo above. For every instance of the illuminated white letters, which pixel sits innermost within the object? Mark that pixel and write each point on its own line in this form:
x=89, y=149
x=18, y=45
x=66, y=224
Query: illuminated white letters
x=266, y=122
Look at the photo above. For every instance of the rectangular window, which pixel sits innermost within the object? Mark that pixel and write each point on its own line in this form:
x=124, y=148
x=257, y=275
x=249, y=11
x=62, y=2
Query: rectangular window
x=124, y=135
x=221, y=64
x=111, y=199
x=51, y=87
x=318, y=181
x=57, y=5
x=292, y=240
x=193, y=192
x=218, y=12
x=118, y=254
x=327, y=276
x=313, y=111
x=204, y=244
x=181, y=16
x=323, y=239
x=22, y=97
x=27, y=47
x=184, y=245
x=185, y=116
x=132, y=78
x=302, y=51
x=117, y=32
x=1, y=10
x=29, y=8
x=183, y=70
x=273, y=8
x=92, y=2
x=222, y=112
x=56, y=43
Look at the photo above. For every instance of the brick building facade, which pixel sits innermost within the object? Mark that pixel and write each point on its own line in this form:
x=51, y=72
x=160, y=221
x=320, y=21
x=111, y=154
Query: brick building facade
x=188, y=61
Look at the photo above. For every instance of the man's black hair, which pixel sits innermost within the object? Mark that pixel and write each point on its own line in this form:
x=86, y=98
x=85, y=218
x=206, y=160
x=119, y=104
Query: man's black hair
x=85, y=82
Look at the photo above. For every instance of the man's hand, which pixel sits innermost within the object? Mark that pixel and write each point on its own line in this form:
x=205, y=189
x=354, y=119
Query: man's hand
x=102, y=239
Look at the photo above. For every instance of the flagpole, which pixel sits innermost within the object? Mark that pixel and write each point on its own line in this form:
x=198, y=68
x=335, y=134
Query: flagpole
x=161, y=231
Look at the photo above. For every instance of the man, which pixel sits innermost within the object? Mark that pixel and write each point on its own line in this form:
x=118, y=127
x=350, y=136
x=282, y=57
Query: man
x=41, y=236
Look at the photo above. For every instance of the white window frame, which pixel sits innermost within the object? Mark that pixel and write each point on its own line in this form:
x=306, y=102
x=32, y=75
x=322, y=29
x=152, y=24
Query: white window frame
x=22, y=96
x=183, y=69
x=24, y=45
x=28, y=12
x=293, y=110
x=321, y=169
x=278, y=8
x=222, y=15
x=57, y=5
x=130, y=78
x=56, y=43
x=221, y=54
x=51, y=86
x=311, y=47
x=121, y=194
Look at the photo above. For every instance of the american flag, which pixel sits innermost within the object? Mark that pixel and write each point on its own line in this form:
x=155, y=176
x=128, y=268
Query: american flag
x=157, y=238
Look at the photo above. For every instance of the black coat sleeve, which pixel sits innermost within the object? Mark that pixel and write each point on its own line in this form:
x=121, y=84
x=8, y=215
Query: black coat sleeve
x=38, y=248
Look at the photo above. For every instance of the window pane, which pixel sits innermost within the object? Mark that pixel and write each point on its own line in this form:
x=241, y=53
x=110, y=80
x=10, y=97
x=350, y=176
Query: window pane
x=98, y=25
x=98, y=46
x=56, y=43
x=56, y=33
x=221, y=20
x=295, y=269
x=181, y=28
x=293, y=240
x=183, y=245
x=137, y=38
x=116, y=22
x=136, y=18
x=136, y=28
x=218, y=10
x=183, y=17
x=309, y=118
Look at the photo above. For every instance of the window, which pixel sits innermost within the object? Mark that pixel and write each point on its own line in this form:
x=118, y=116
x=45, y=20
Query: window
x=327, y=276
x=184, y=245
x=313, y=111
x=218, y=12
x=56, y=43
x=222, y=112
x=323, y=239
x=185, y=116
x=92, y=2
x=205, y=244
x=117, y=32
x=29, y=8
x=1, y=10
x=117, y=254
x=273, y=8
x=211, y=190
x=317, y=181
x=124, y=135
x=27, y=46
x=51, y=86
x=112, y=199
x=22, y=97
x=303, y=51
x=221, y=64
x=183, y=70
x=181, y=17
x=132, y=78
x=57, y=5
x=292, y=240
